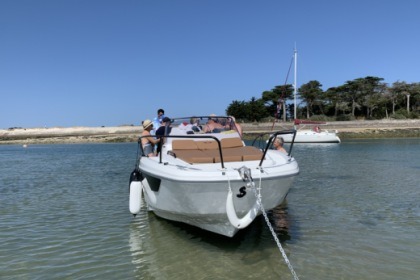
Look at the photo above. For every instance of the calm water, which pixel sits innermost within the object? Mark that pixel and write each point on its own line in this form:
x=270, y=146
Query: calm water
x=353, y=213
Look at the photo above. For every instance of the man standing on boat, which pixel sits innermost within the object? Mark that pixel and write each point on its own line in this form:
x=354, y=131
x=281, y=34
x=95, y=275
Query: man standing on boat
x=158, y=120
x=164, y=129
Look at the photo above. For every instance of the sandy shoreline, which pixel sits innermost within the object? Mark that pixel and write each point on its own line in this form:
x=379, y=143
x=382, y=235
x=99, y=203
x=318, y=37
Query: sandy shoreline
x=346, y=130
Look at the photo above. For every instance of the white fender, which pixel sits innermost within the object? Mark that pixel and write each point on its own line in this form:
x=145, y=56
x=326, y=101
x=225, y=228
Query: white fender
x=136, y=199
x=245, y=220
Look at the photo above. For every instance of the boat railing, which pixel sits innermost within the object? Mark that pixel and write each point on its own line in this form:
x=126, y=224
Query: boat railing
x=188, y=137
x=271, y=139
x=219, y=144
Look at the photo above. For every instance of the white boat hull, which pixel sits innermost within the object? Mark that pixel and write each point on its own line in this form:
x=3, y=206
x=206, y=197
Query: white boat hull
x=212, y=180
x=198, y=195
x=310, y=136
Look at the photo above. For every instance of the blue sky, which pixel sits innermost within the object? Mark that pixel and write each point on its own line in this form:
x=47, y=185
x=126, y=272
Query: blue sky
x=100, y=62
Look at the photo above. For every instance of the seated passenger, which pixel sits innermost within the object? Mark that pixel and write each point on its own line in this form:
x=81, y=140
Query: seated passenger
x=147, y=140
x=195, y=124
x=191, y=127
x=213, y=126
x=278, y=144
x=236, y=126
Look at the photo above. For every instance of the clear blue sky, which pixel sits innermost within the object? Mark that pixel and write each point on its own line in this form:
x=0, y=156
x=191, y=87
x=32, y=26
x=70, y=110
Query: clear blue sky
x=101, y=62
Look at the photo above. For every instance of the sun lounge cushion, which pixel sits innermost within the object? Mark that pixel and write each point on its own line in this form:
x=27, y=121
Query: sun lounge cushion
x=207, y=145
x=184, y=145
x=229, y=155
x=251, y=153
x=231, y=142
x=193, y=156
x=208, y=152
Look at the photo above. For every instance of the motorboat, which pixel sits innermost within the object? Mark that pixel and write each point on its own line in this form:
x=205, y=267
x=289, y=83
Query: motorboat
x=206, y=176
x=316, y=134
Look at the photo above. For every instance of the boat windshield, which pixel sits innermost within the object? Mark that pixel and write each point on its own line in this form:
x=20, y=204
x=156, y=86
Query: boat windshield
x=202, y=125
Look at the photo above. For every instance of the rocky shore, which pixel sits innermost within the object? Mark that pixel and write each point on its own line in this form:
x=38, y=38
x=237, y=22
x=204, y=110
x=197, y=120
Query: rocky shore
x=346, y=130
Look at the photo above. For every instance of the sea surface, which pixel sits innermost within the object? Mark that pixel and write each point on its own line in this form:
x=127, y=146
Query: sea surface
x=352, y=213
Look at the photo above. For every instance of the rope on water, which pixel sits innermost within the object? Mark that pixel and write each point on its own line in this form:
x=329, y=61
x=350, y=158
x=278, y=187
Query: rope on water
x=257, y=193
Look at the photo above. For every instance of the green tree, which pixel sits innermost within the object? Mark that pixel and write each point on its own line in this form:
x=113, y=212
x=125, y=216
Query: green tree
x=415, y=97
x=311, y=94
x=369, y=97
x=277, y=96
x=334, y=96
x=256, y=110
x=371, y=89
x=352, y=93
x=237, y=109
x=253, y=110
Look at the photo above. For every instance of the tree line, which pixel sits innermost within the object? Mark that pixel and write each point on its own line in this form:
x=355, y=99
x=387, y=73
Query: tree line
x=361, y=98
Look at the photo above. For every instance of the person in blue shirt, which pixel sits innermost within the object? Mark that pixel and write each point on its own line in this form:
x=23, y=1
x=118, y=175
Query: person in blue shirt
x=158, y=120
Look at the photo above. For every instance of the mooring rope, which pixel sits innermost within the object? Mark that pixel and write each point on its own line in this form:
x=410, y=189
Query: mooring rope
x=286, y=259
x=245, y=173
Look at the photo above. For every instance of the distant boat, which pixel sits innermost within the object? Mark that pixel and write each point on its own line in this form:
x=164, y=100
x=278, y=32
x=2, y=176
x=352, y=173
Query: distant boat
x=25, y=146
x=313, y=135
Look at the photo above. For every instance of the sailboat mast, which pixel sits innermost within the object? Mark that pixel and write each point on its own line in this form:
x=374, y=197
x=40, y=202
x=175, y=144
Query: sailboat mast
x=295, y=82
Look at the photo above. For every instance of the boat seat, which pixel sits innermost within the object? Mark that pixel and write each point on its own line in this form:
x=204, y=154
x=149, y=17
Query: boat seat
x=228, y=155
x=207, y=151
x=184, y=145
x=251, y=153
x=207, y=145
x=188, y=151
x=231, y=142
x=192, y=156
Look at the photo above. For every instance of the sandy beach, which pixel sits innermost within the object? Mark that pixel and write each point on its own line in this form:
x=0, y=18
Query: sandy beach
x=346, y=130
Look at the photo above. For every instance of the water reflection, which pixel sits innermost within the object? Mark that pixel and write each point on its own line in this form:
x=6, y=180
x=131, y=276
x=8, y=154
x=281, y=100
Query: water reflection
x=279, y=219
x=159, y=247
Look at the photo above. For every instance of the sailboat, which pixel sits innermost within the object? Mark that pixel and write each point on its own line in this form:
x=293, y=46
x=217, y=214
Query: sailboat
x=314, y=134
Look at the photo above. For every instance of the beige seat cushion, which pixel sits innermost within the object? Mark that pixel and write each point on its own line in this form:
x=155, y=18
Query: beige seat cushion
x=207, y=145
x=231, y=142
x=208, y=151
x=184, y=145
x=193, y=156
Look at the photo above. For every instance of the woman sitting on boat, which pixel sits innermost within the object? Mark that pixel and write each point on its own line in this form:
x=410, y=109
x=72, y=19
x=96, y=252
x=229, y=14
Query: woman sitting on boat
x=147, y=140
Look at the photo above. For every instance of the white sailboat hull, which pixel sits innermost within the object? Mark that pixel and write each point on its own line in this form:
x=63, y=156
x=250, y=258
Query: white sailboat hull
x=310, y=136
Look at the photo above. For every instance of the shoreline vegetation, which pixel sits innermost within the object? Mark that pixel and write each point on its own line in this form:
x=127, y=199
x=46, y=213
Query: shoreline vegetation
x=71, y=135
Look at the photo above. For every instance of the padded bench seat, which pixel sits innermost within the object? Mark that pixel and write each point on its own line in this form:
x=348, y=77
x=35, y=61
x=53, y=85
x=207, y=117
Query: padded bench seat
x=193, y=156
x=208, y=151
